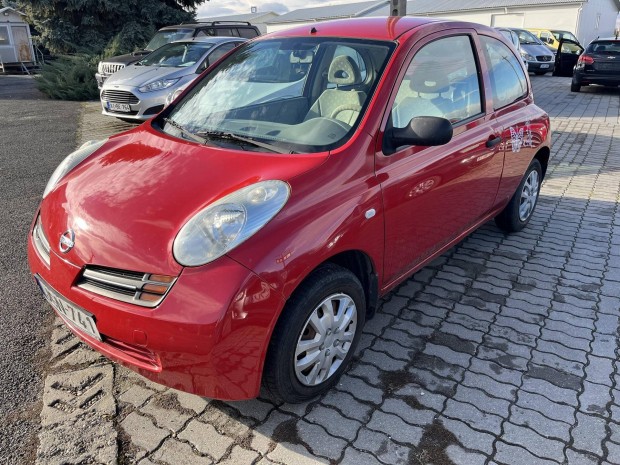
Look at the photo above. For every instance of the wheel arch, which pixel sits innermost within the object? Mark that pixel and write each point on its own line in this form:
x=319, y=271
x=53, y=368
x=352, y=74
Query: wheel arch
x=543, y=157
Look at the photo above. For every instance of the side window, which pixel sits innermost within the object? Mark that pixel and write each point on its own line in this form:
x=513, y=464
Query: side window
x=206, y=32
x=219, y=53
x=224, y=31
x=508, y=81
x=4, y=35
x=247, y=33
x=441, y=80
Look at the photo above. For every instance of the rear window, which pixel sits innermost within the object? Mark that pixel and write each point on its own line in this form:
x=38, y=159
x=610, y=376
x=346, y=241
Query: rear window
x=247, y=32
x=169, y=35
x=605, y=46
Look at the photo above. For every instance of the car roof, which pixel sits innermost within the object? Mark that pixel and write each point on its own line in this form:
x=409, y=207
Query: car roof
x=606, y=39
x=198, y=25
x=378, y=28
x=210, y=39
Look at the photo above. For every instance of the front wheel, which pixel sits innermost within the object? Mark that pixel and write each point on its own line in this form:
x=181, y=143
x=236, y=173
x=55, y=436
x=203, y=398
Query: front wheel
x=316, y=335
x=519, y=210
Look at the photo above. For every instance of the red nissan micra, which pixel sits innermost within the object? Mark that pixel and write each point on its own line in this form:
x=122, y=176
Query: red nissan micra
x=245, y=234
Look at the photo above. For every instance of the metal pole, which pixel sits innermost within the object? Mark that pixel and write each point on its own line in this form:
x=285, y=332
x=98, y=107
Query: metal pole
x=398, y=7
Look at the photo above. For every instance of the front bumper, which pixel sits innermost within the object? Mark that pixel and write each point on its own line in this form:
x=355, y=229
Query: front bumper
x=540, y=66
x=209, y=335
x=143, y=106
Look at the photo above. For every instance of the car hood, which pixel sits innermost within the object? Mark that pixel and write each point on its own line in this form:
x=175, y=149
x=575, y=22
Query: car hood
x=127, y=202
x=137, y=76
x=536, y=49
x=127, y=58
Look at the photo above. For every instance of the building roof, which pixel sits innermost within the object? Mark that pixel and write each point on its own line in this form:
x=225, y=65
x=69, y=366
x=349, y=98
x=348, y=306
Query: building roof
x=250, y=17
x=7, y=8
x=414, y=7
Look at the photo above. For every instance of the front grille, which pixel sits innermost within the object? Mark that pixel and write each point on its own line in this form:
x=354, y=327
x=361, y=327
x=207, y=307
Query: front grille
x=41, y=244
x=119, y=96
x=110, y=68
x=544, y=58
x=145, y=289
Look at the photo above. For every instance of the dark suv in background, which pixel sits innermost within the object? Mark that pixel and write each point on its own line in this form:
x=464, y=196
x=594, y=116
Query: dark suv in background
x=170, y=34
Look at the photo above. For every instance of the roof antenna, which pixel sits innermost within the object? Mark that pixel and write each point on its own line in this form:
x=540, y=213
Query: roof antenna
x=313, y=30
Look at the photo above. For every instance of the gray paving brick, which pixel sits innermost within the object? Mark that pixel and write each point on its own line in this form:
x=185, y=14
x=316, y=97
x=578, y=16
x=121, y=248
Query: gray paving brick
x=262, y=434
x=482, y=400
x=490, y=385
x=609, y=305
x=572, y=320
x=255, y=408
x=579, y=458
x=551, y=360
x=469, y=322
x=370, y=373
x=562, y=330
x=594, y=398
x=539, y=423
x=473, y=416
x=524, y=315
x=239, y=456
x=496, y=371
x=416, y=394
x=569, y=341
x=334, y=422
x=449, y=356
x=378, y=323
x=206, y=439
x=533, y=383
x=515, y=455
x=607, y=324
x=395, y=305
x=459, y=455
x=355, y=457
x=508, y=346
x=443, y=371
x=546, y=407
x=348, y=405
x=143, y=432
x=136, y=395
x=320, y=441
x=512, y=334
x=599, y=370
x=481, y=316
x=382, y=447
x=502, y=358
x=589, y=434
x=411, y=412
x=403, y=338
x=286, y=453
x=360, y=390
x=395, y=428
x=165, y=418
x=532, y=441
x=173, y=452
x=561, y=350
x=613, y=452
x=468, y=437
x=416, y=328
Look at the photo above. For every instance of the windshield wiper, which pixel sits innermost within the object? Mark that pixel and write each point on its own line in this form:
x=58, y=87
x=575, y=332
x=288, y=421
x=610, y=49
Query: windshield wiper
x=230, y=136
x=185, y=132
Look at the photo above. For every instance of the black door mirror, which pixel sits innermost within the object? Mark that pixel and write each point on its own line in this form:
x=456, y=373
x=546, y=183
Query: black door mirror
x=421, y=130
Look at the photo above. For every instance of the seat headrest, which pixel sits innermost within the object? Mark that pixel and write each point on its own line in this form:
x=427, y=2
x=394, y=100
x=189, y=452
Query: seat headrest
x=428, y=80
x=344, y=71
x=600, y=48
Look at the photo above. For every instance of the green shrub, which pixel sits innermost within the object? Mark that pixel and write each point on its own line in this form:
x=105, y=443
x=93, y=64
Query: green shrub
x=70, y=77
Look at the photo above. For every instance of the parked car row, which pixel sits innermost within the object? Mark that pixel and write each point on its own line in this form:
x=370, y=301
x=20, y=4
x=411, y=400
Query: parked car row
x=244, y=235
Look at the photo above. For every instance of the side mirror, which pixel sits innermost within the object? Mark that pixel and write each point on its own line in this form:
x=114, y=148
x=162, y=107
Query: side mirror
x=422, y=130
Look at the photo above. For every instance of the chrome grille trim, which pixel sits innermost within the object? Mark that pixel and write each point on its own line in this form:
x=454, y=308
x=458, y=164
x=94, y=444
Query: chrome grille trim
x=126, y=286
x=544, y=58
x=41, y=244
x=119, y=96
x=110, y=68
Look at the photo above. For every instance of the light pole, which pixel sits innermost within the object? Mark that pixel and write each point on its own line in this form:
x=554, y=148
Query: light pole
x=398, y=7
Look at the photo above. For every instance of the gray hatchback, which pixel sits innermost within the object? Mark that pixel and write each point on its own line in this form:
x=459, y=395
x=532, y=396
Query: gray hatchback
x=138, y=92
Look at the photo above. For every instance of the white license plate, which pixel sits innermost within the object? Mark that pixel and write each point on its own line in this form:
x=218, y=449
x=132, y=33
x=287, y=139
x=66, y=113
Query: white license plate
x=542, y=66
x=73, y=315
x=118, y=107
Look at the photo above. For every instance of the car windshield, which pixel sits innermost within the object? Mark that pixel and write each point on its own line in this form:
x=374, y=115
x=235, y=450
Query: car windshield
x=527, y=38
x=289, y=95
x=166, y=36
x=564, y=35
x=176, y=54
x=611, y=47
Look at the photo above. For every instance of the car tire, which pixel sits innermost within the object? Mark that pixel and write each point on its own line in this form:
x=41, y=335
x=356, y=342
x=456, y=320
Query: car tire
x=575, y=87
x=327, y=348
x=519, y=210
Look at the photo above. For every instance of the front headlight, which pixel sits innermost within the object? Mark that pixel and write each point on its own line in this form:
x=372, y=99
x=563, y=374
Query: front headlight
x=527, y=56
x=158, y=85
x=72, y=160
x=228, y=222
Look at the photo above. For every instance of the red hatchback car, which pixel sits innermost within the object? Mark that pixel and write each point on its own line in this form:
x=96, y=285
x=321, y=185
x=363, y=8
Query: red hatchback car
x=244, y=235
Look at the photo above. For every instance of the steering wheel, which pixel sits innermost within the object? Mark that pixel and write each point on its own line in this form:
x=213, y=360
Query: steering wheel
x=343, y=108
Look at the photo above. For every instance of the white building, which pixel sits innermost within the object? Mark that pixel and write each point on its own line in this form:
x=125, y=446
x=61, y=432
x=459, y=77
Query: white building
x=587, y=19
x=15, y=41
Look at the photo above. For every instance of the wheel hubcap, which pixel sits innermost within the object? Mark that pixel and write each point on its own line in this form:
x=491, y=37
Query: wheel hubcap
x=529, y=195
x=325, y=340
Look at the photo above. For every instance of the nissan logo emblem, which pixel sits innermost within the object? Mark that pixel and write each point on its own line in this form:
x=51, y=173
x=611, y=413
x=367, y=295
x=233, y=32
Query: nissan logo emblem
x=67, y=241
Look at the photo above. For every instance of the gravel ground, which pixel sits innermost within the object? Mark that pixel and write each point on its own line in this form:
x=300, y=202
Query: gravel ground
x=36, y=135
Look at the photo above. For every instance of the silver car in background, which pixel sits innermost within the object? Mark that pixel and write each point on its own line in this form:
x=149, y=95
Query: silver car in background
x=138, y=91
x=540, y=59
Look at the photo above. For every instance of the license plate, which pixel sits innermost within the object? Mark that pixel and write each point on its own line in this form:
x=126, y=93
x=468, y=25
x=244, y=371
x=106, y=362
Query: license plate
x=124, y=107
x=73, y=315
x=544, y=66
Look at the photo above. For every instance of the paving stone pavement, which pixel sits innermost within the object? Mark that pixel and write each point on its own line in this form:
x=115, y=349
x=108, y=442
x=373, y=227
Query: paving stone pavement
x=502, y=351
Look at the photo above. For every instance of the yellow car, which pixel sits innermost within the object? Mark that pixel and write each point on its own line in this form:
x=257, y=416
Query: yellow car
x=551, y=37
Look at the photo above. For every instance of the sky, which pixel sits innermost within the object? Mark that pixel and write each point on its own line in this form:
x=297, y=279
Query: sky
x=214, y=8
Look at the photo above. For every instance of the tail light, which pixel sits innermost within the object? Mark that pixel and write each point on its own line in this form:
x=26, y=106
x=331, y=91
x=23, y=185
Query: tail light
x=585, y=60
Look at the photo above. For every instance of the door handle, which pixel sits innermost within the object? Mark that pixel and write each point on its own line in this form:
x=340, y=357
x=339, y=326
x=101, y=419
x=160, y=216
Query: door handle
x=493, y=141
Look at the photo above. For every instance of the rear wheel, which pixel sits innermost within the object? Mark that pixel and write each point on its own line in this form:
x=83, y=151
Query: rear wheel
x=519, y=210
x=316, y=335
x=574, y=87
x=540, y=73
